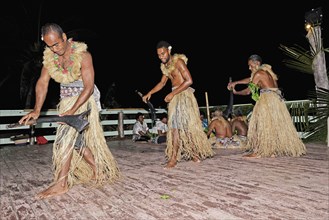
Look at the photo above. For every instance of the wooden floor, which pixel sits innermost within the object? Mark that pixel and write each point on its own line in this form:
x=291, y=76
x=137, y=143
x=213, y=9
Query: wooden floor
x=225, y=187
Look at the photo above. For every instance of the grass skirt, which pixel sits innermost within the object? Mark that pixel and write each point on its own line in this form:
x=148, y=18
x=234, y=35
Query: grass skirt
x=93, y=138
x=184, y=115
x=271, y=131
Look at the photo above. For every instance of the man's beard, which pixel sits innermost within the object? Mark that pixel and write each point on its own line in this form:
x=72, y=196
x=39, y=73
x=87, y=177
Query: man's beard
x=166, y=61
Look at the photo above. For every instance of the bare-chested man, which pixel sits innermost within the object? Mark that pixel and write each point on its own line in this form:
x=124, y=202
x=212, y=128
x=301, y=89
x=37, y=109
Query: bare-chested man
x=271, y=131
x=239, y=127
x=75, y=154
x=222, y=129
x=219, y=125
x=185, y=138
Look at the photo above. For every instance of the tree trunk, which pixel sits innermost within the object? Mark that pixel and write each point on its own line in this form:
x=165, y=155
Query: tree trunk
x=319, y=61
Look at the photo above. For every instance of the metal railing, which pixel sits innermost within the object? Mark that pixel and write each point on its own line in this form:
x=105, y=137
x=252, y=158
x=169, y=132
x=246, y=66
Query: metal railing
x=116, y=123
x=119, y=122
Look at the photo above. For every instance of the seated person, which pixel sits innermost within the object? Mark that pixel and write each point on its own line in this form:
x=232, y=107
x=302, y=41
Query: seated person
x=204, y=121
x=140, y=129
x=161, y=127
x=239, y=128
x=223, y=131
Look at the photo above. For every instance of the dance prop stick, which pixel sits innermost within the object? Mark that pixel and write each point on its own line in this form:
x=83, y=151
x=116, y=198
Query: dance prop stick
x=207, y=105
x=229, y=108
x=76, y=121
x=152, y=109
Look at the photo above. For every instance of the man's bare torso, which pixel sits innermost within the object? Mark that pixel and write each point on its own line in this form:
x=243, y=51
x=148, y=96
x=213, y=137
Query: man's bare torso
x=222, y=128
x=176, y=78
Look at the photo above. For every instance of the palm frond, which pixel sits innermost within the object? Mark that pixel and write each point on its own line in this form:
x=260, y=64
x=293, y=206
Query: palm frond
x=301, y=59
x=299, y=112
x=312, y=62
x=320, y=112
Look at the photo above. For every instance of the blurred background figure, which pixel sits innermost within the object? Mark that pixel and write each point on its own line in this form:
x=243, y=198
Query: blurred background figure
x=161, y=129
x=223, y=132
x=140, y=129
x=239, y=125
x=204, y=121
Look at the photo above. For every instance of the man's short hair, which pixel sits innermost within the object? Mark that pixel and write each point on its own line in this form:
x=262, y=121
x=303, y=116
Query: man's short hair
x=162, y=44
x=163, y=115
x=51, y=27
x=139, y=114
x=255, y=57
x=237, y=112
x=217, y=113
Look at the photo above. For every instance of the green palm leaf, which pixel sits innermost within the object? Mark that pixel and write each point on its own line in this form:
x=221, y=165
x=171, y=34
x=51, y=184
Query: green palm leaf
x=318, y=124
x=301, y=59
x=312, y=120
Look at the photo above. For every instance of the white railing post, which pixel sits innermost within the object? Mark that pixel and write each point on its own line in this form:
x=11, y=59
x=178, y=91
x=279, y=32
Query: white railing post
x=120, y=125
x=32, y=132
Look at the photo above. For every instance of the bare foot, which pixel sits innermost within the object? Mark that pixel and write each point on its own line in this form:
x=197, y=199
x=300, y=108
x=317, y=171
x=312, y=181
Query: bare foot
x=94, y=175
x=251, y=155
x=196, y=159
x=54, y=190
x=171, y=164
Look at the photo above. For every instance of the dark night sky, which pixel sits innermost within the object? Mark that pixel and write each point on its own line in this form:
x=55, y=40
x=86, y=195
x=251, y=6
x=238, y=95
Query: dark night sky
x=217, y=38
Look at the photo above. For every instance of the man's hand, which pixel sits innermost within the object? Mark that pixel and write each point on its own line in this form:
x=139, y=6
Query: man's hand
x=32, y=115
x=146, y=97
x=231, y=85
x=169, y=97
x=69, y=112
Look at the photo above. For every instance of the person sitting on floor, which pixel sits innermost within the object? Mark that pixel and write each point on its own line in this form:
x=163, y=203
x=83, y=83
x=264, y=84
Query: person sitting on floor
x=223, y=133
x=239, y=127
x=161, y=129
x=140, y=129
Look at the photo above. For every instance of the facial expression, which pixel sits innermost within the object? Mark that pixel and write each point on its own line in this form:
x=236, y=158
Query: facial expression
x=141, y=118
x=253, y=65
x=165, y=120
x=163, y=54
x=56, y=43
